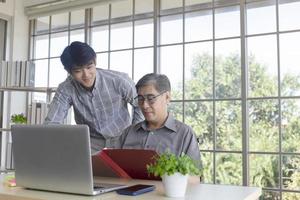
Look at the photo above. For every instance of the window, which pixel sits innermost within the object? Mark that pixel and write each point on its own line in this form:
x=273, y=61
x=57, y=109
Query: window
x=233, y=66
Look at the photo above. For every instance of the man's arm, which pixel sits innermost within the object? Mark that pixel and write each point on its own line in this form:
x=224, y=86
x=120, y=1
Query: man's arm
x=191, y=147
x=58, y=108
x=192, y=150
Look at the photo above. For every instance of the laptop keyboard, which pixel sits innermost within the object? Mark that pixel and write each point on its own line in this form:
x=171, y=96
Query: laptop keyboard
x=99, y=186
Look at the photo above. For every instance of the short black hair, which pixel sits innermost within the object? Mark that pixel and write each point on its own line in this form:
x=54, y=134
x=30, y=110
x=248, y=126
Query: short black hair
x=77, y=54
x=160, y=82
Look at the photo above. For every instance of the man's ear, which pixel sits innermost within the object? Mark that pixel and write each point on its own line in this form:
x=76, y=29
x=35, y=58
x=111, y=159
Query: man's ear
x=168, y=96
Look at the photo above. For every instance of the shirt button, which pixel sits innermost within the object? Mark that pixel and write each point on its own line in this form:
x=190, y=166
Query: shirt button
x=151, y=132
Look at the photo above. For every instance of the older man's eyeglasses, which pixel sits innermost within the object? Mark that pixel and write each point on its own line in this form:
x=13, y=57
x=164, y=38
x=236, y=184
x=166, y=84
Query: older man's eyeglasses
x=150, y=98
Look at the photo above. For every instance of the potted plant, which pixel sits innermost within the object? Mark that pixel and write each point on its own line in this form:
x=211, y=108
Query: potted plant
x=18, y=119
x=174, y=172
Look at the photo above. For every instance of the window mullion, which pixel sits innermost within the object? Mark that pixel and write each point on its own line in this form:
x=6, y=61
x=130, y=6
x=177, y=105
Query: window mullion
x=156, y=31
x=244, y=92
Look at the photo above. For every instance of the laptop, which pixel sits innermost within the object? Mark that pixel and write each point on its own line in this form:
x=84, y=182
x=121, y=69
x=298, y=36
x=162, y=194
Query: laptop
x=55, y=158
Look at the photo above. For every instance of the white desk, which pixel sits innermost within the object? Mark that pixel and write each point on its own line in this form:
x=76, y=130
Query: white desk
x=194, y=192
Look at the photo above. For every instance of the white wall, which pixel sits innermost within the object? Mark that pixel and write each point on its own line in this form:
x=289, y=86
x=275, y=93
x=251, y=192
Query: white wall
x=20, y=32
x=17, y=41
x=7, y=8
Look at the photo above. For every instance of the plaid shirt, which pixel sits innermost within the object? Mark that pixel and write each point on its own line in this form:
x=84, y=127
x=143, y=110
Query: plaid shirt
x=104, y=109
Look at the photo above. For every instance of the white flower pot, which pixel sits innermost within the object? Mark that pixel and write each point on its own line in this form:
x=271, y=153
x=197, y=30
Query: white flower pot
x=175, y=184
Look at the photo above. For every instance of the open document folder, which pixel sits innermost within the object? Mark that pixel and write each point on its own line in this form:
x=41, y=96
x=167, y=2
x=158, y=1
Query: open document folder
x=124, y=163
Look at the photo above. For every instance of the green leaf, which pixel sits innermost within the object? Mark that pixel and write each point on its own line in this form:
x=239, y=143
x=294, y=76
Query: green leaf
x=19, y=118
x=168, y=163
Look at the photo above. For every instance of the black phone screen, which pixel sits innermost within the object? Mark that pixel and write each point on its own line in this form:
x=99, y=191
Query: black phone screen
x=136, y=189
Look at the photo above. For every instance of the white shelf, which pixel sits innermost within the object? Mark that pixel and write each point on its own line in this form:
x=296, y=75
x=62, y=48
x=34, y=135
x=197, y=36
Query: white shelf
x=29, y=89
x=5, y=129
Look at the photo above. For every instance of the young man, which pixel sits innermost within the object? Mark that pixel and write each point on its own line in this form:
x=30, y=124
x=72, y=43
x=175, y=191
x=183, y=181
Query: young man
x=99, y=97
x=160, y=131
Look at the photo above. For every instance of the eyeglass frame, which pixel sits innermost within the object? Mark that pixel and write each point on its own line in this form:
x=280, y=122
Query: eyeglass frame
x=146, y=98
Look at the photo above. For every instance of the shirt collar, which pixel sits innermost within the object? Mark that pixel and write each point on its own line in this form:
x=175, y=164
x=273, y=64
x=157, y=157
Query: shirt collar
x=170, y=124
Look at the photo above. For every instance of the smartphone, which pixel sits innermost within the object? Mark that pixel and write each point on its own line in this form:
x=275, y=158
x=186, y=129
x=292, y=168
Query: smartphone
x=136, y=189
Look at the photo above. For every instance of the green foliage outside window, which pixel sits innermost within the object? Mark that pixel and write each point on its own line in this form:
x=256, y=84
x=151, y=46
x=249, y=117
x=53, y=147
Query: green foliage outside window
x=263, y=116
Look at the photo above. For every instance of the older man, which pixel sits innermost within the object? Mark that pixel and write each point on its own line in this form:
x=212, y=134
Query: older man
x=159, y=131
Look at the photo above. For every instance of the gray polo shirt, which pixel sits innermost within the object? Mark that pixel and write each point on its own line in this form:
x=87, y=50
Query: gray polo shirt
x=174, y=136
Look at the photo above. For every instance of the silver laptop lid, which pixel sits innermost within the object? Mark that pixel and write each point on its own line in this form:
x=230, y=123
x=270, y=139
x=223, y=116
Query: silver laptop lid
x=53, y=157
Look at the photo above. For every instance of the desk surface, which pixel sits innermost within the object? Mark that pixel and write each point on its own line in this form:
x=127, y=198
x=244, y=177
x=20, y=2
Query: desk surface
x=194, y=191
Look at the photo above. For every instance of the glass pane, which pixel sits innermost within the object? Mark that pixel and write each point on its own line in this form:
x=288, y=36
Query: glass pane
x=100, y=13
x=227, y=22
x=168, y=4
x=199, y=115
x=143, y=33
x=144, y=6
x=39, y=96
x=77, y=35
x=291, y=173
x=198, y=26
x=171, y=66
x=77, y=18
x=264, y=170
x=198, y=70
x=289, y=15
x=60, y=22
x=100, y=38
x=18, y=100
x=121, y=36
x=171, y=29
x=58, y=41
x=290, y=196
x=57, y=72
x=121, y=8
x=290, y=125
x=229, y=168
x=143, y=62
x=262, y=64
x=207, y=163
x=229, y=125
x=228, y=68
x=42, y=25
x=102, y=60
x=175, y=109
x=41, y=73
x=121, y=61
x=41, y=46
x=290, y=64
x=263, y=125
x=261, y=17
